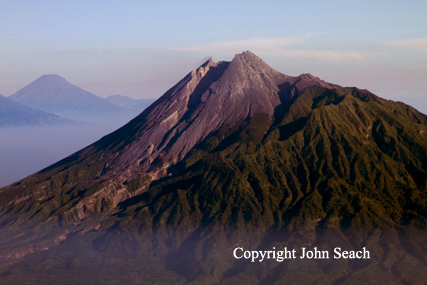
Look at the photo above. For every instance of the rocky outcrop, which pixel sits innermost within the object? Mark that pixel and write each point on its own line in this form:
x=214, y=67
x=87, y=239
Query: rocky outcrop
x=208, y=98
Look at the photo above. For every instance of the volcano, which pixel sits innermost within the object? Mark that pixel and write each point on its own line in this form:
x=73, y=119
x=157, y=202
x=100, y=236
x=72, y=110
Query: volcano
x=54, y=94
x=235, y=156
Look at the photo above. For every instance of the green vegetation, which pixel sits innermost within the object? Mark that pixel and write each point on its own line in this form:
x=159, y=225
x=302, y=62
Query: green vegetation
x=338, y=167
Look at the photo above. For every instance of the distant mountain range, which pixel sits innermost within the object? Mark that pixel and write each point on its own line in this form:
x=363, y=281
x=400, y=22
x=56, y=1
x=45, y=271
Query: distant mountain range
x=236, y=157
x=28, y=134
x=137, y=105
x=53, y=94
x=15, y=114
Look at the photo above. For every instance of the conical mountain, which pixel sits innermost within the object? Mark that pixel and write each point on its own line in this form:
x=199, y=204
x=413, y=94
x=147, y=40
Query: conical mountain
x=236, y=157
x=54, y=94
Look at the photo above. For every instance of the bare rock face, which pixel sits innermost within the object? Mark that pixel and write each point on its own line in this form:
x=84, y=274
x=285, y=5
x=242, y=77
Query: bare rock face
x=212, y=96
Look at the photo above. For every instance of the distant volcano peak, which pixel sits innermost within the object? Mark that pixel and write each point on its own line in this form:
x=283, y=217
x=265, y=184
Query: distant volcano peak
x=54, y=94
x=51, y=78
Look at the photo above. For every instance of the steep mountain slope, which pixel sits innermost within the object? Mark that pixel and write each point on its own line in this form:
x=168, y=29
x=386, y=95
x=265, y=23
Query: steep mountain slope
x=15, y=114
x=214, y=95
x=235, y=155
x=52, y=93
x=137, y=105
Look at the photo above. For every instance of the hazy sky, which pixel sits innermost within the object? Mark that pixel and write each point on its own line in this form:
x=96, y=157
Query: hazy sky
x=142, y=48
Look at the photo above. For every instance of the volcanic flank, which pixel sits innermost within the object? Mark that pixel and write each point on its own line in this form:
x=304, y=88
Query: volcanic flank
x=215, y=95
x=236, y=155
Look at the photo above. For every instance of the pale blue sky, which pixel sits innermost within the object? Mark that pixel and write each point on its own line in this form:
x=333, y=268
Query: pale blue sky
x=142, y=48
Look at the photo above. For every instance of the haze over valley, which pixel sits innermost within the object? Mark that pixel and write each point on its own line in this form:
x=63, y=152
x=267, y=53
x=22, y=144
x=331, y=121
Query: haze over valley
x=28, y=149
x=50, y=119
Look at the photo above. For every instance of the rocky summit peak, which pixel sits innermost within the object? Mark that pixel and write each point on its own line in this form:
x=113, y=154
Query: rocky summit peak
x=313, y=80
x=248, y=62
x=247, y=56
x=204, y=68
x=208, y=98
x=209, y=62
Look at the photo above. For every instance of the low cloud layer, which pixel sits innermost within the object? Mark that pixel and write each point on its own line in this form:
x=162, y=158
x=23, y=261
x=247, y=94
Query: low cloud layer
x=272, y=47
x=412, y=44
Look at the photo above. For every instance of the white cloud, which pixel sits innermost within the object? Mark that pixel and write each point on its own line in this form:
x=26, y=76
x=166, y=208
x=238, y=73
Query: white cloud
x=413, y=44
x=271, y=47
x=320, y=54
x=261, y=45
